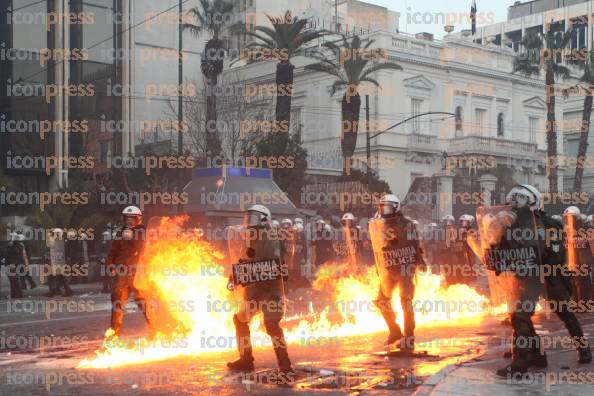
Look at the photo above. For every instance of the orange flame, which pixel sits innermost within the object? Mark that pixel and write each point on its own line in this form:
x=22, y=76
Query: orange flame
x=200, y=280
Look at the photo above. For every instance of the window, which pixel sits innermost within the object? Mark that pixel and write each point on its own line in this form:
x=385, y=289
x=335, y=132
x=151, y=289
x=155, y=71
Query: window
x=480, y=116
x=415, y=105
x=500, y=125
x=459, y=112
x=532, y=129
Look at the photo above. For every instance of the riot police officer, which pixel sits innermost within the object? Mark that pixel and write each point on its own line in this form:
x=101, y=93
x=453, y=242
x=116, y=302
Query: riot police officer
x=321, y=243
x=397, y=254
x=256, y=241
x=454, y=261
x=579, y=254
x=525, y=214
x=430, y=245
x=122, y=262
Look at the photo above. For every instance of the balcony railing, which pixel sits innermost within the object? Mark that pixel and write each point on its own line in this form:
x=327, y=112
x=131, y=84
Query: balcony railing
x=491, y=145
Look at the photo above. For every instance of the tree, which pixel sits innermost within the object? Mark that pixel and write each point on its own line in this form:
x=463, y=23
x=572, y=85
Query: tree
x=286, y=39
x=235, y=129
x=291, y=178
x=543, y=52
x=350, y=73
x=588, y=78
x=210, y=15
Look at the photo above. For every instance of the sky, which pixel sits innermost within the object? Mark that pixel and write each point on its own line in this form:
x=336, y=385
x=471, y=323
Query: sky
x=422, y=15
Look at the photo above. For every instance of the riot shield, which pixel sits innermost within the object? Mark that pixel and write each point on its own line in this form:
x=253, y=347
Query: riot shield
x=509, y=247
x=579, y=257
x=255, y=255
x=395, y=251
x=236, y=243
x=510, y=239
x=340, y=245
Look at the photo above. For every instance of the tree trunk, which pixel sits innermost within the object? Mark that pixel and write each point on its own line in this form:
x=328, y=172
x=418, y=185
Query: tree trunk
x=583, y=148
x=551, y=131
x=349, y=129
x=284, y=93
x=212, y=66
x=213, y=141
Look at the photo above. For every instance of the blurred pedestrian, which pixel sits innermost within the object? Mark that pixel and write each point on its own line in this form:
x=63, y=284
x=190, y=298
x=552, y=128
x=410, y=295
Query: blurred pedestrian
x=14, y=260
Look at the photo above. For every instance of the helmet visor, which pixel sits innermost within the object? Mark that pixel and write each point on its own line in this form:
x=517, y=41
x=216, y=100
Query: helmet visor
x=387, y=208
x=252, y=219
x=518, y=199
x=132, y=221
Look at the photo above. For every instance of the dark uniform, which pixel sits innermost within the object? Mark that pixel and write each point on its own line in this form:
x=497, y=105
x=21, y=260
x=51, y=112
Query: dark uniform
x=526, y=258
x=522, y=258
x=14, y=262
x=266, y=296
x=397, y=254
x=123, y=261
x=580, y=258
x=321, y=242
x=458, y=257
x=559, y=286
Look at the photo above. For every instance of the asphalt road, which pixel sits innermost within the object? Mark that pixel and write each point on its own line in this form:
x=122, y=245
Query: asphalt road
x=357, y=364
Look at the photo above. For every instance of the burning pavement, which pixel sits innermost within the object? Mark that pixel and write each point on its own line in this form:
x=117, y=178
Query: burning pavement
x=333, y=330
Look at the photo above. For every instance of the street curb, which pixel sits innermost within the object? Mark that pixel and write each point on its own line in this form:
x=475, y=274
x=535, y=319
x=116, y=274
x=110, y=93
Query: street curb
x=427, y=388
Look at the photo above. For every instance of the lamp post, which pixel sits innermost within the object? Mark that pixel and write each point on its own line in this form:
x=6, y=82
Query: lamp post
x=369, y=137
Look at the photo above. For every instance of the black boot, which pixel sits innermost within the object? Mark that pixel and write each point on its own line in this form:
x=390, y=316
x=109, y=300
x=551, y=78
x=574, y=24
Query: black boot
x=519, y=365
x=537, y=359
x=67, y=289
x=407, y=344
x=286, y=374
x=584, y=355
x=390, y=319
x=245, y=363
x=576, y=331
x=29, y=279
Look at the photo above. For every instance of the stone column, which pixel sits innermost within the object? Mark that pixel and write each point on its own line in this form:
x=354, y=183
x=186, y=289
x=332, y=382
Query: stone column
x=445, y=187
x=488, y=183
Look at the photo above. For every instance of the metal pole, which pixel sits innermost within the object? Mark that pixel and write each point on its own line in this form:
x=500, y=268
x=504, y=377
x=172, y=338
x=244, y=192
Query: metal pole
x=180, y=98
x=180, y=104
x=336, y=14
x=368, y=142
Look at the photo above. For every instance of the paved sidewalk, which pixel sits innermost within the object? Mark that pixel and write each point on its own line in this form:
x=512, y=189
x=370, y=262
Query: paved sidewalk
x=563, y=376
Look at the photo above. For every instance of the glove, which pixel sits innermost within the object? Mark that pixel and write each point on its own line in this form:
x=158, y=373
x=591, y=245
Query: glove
x=422, y=265
x=230, y=284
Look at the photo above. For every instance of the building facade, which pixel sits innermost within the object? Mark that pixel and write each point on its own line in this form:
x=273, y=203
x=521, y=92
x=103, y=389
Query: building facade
x=536, y=17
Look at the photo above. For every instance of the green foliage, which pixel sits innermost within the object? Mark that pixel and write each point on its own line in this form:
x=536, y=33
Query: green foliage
x=289, y=179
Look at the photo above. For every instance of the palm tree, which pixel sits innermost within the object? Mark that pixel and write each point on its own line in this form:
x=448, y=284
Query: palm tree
x=206, y=14
x=349, y=74
x=530, y=63
x=286, y=38
x=588, y=78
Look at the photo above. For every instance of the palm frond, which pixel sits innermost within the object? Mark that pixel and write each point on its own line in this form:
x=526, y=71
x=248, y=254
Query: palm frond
x=381, y=66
